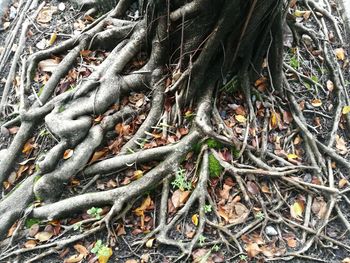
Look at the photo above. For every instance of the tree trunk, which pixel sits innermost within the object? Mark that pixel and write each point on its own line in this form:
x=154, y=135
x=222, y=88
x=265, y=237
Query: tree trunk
x=188, y=51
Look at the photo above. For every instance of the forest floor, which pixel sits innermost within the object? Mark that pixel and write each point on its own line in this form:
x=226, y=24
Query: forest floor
x=289, y=214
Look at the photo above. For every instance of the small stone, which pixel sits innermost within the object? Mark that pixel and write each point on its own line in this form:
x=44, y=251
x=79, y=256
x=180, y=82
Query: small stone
x=41, y=44
x=61, y=6
x=271, y=231
x=13, y=12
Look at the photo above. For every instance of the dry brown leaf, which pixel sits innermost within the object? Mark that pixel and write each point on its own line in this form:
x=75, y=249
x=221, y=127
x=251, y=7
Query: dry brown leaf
x=202, y=255
x=48, y=65
x=67, y=154
x=225, y=192
x=146, y=204
x=98, y=155
x=319, y=207
x=131, y=261
x=252, y=250
x=81, y=250
x=346, y=260
x=316, y=102
x=30, y=244
x=340, y=145
x=29, y=146
x=74, y=258
x=252, y=188
x=45, y=14
x=180, y=197
x=43, y=236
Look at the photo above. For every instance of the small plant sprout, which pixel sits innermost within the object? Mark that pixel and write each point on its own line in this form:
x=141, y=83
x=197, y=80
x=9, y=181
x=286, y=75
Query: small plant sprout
x=181, y=181
x=95, y=212
x=100, y=250
x=243, y=257
x=78, y=226
x=215, y=248
x=201, y=240
x=207, y=208
x=259, y=215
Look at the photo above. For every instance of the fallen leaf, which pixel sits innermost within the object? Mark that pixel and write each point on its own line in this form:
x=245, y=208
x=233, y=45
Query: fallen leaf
x=81, y=249
x=98, y=155
x=179, y=197
x=30, y=244
x=274, y=120
x=67, y=154
x=43, y=236
x=131, y=261
x=105, y=258
x=241, y=118
x=340, y=145
x=149, y=242
x=346, y=109
x=74, y=259
x=316, y=102
x=252, y=250
x=346, y=260
x=343, y=182
x=319, y=207
x=195, y=219
x=52, y=39
x=48, y=65
x=340, y=53
x=45, y=14
x=6, y=25
x=138, y=174
x=292, y=156
x=297, y=209
x=252, y=188
x=202, y=255
x=330, y=85
x=146, y=204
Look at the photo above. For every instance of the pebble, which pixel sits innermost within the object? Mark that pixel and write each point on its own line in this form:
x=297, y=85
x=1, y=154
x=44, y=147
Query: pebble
x=271, y=231
x=13, y=12
x=61, y=6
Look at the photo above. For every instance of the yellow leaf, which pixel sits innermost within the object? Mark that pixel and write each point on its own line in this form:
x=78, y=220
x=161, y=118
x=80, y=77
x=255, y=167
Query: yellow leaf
x=273, y=120
x=195, y=219
x=316, y=102
x=299, y=13
x=52, y=38
x=346, y=109
x=340, y=53
x=149, y=242
x=145, y=205
x=297, y=209
x=241, y=118
x=343, y=182
x=138, y=174
x=292, y=156
x=105, y=258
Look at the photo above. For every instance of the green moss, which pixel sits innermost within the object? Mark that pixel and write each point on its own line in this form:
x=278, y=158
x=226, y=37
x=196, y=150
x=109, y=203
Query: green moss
x=215, y=168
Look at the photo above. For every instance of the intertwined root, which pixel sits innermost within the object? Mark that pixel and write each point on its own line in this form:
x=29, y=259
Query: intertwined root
x=81, y=119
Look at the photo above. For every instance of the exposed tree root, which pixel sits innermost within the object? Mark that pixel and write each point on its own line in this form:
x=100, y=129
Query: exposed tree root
x=187, y=49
